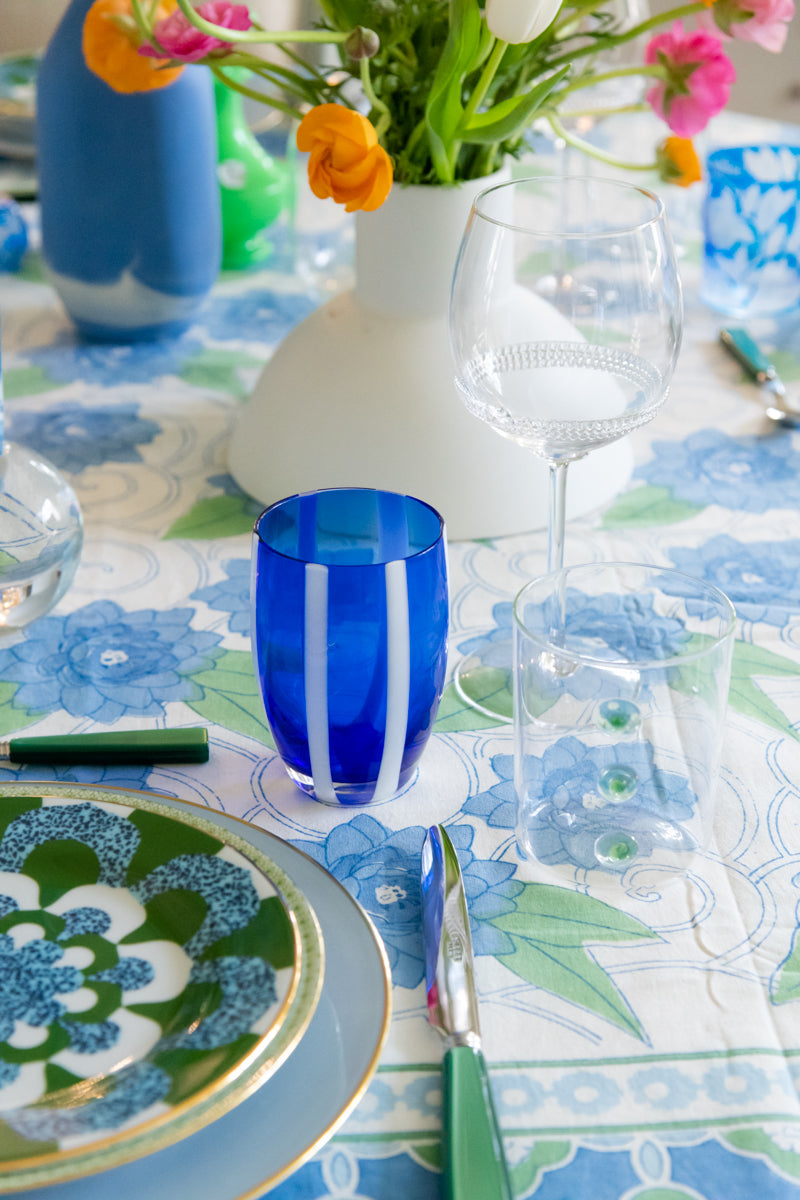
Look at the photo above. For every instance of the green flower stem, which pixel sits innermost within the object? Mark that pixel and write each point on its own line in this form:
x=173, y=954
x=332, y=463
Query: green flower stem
x=484, y=83
x=612, y=111
x=590, y=80
x=252, y=93
x=385, y=118
x=258, y=35
x=143, y=23
x=587, y=148
x=608, y=42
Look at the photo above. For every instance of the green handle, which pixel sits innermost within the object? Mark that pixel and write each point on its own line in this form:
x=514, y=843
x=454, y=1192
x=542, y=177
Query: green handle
x=130, y=746
x=474, y=1165
x=748, y=353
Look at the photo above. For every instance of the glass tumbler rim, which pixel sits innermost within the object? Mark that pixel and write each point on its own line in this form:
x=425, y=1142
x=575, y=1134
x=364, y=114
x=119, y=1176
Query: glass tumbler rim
x=351, y=489
x=725, y=605
x=618, y=185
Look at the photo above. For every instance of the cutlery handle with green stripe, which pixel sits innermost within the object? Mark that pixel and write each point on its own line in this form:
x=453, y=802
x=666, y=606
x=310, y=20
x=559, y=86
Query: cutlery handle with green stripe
x=124, y=746
x=474, y=1165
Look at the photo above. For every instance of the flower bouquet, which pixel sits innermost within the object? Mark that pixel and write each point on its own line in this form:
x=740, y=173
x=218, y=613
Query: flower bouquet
x=437, y=91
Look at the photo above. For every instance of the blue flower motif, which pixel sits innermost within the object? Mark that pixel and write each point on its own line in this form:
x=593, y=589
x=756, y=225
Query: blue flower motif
x=424, y=1095
x=260, y=315
x=751, y=474
x=111, y=776
x=762, y=579
x=74, y=438
x=516, y=1093
x=662, y=1087
x=231, y=595
x=33, y=980
x=381, y=869
x=109, y=365
x=498, y=805
x=627, y=625
x=587, y=1092
x=104, y=663
x=736, y=1082
x=493, y=645
x=578, y=809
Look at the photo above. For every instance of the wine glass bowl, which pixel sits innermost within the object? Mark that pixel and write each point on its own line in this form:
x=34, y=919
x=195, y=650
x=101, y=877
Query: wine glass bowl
x=565, y=314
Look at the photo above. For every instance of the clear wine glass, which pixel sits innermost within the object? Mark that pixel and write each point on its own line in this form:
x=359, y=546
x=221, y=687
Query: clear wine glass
x=565, y=326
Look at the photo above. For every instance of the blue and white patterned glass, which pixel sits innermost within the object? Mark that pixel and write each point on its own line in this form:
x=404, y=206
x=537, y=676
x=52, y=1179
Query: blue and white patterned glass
x=349, y=627
x=751, y=262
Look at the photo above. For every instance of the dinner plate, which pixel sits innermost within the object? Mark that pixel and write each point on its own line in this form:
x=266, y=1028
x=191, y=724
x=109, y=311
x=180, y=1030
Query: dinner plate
x=154, y=970
x=285, y=1122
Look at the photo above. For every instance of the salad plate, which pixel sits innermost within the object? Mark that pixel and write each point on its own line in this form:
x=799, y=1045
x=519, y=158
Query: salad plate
x=285, y=1122
x=154, y=970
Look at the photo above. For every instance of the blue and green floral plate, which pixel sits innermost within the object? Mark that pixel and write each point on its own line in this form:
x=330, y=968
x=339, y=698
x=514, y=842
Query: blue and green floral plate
x=154, y=970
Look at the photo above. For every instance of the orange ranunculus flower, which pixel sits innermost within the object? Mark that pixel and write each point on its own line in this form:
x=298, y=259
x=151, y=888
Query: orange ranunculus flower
x=113, y=54
x=346, y=162
x=678, y=161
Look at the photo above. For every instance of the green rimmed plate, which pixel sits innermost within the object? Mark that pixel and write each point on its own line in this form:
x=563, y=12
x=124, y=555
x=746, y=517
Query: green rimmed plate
x=154, y=970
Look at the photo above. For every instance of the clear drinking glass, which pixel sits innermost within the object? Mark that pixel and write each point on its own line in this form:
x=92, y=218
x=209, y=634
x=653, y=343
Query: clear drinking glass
x=621, y=686
x=349, y=628
x=565, y=325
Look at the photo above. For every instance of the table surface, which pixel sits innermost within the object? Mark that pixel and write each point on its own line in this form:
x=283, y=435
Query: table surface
x=655, y=1053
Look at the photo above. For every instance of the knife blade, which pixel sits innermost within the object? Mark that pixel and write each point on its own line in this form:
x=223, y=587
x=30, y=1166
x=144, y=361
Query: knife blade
x=474, y=1165
x=749, y=355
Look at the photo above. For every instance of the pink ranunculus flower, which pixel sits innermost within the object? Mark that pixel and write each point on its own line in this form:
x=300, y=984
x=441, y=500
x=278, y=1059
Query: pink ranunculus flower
x=699, y=78
x=180, y=40
x=763, y=21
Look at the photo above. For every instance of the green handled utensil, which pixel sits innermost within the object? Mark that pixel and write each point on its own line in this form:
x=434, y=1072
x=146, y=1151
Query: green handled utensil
x=749, y=355
x=104, y=749
x=474, y=1166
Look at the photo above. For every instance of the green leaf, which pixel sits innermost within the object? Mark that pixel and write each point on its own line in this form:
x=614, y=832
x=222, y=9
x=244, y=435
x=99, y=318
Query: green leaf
x=455, y=716
x=27, y=381
x=216, y=517
x=508, y=118
x=444, y=112
x=746, y=696
x=527, y=1174
x=784, y=986
x=756, y=1142
x=429, y=1153
x=218, y=371
x=231, y=696
x=550, y=928
x=14, y=717
x=647, y=506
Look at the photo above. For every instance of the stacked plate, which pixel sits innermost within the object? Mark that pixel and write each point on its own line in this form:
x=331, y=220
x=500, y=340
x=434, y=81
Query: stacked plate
x=175, y=1018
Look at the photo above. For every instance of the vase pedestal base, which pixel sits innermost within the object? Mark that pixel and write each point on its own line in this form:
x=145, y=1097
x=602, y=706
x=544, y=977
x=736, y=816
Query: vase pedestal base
x=353, y=397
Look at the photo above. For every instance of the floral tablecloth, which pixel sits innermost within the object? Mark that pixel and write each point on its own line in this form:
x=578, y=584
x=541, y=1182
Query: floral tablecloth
x=648, y=1050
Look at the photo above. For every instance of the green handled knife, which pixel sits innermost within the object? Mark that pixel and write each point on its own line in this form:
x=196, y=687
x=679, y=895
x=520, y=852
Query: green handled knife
x=474, y=1166
x=127, y=746
x=749, y=355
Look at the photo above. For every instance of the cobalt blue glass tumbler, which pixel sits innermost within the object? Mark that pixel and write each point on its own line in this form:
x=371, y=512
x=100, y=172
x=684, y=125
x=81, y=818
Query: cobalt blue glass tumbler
x=349, y=624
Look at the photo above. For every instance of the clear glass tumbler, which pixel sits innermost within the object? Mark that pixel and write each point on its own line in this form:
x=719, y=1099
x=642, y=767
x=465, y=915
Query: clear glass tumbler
x=349, y=628
x=622, y=673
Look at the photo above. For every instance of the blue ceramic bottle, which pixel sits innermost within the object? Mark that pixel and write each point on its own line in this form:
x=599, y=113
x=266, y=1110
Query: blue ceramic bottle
x=129, y=199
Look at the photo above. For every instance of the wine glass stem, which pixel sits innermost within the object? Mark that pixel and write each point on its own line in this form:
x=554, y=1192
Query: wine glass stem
x=556, y=516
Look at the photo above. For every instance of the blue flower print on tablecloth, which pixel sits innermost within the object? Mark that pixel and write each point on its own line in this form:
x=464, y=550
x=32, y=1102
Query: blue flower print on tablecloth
x=74, y=438
x=103, y=662
x=579, y=810
x=628, y=625
x=231, y=595
x=107, y=364
x=493, y=644
x=736, y=1082
x=381, y=869
x=497, y=806
x=126, y=776
x=750, y=474
x=662, y=1088
x=587, y=1093
x=259, y=315
x=762, y=579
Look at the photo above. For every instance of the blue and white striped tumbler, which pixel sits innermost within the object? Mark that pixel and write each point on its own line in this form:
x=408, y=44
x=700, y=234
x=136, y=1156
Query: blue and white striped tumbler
x=349, y=625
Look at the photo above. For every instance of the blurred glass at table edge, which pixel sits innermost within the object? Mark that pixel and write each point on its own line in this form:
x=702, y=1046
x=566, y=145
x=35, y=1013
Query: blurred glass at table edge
x=622, y=673
x=751, y=230
x=349, y=632
x=41, y=533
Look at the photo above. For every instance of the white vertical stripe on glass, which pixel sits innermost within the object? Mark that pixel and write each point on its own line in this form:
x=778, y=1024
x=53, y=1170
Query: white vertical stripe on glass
x=316, y=679
x=398, y=676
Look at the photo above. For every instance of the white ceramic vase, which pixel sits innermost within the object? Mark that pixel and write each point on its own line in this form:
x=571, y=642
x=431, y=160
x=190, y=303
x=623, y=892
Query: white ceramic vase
x=362, y=391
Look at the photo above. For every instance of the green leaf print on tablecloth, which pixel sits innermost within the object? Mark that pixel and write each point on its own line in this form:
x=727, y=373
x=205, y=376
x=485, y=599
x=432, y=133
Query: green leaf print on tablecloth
x=527, y=1174
x=231, y=696
x=218, y=370
x=644, y=506
x=550, y=928
x=746, y=696
x=27, y=381
x=780, y=1146
x=216, y=517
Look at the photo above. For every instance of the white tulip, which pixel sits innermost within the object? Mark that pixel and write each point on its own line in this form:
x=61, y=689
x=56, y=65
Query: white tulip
x=520, y=20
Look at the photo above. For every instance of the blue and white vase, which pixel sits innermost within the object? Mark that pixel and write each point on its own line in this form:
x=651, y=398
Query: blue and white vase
x=128, y=192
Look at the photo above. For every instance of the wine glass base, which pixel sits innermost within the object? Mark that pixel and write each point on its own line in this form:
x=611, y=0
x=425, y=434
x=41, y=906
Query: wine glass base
x=485, y=688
